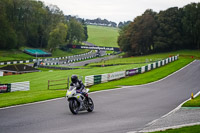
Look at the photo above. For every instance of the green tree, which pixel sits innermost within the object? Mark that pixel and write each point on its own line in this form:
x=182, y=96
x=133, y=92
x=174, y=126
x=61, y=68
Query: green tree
x=191, y=24
x=75, y=33
x=169, y=32
x=172, y=29
x=8, y=38
x=28, y=22
x=137, y=38
x=57, y=36
x=85, y=30
x=124, y=38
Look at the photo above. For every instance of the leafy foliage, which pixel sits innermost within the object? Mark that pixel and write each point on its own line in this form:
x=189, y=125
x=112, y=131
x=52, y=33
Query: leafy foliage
x=191, y=24
x=168, y=34
x=75, y=32
x=172, y=29
x=57, y=36
x=137, y=37
x=33, y=24
x=122, y=24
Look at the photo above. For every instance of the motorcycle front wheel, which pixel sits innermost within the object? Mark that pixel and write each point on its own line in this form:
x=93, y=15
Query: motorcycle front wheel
x=90, y=105
x=74, y=106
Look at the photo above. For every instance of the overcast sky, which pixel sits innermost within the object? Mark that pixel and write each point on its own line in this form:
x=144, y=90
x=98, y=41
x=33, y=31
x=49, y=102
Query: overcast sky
x=114, y=10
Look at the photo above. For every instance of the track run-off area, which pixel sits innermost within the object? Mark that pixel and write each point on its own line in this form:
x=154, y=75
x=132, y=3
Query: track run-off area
x=116, y=111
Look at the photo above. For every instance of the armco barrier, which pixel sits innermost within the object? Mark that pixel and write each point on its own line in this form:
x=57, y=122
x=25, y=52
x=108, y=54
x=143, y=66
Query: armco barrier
x=104, y=78
x=159, y=63
x=143, y=69
x=116, y=75
x=1, y=73
x=20, y=86
x=131, y=72
x=5, y=88
x=149, y=67
x=139, y=70
x=89, y=80
x=96, y=79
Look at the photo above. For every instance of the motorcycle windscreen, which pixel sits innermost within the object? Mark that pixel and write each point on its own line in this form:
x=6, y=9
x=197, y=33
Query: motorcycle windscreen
x=71, y=87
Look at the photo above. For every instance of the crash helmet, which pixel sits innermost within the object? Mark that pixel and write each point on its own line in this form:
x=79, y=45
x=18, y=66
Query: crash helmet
x=74, y=79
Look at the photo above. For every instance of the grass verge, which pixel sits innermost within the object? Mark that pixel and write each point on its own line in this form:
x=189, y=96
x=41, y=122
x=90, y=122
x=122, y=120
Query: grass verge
x=189, y=129
x=193, y=103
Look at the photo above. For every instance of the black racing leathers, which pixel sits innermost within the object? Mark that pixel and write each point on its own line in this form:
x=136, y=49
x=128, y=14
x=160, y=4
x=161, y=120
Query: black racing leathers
x=79, y=88
x=79, y=85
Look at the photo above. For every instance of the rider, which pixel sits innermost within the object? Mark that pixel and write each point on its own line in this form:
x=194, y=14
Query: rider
x=78, y=84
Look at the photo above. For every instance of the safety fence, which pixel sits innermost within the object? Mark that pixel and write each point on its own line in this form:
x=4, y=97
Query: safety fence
x=58, y=84
x=68, y=61
x=97, y=79
x=61, y=83
x=66, y=57
x=1, y=73
x=47, y=59
x=17, y=62
x=18, y=86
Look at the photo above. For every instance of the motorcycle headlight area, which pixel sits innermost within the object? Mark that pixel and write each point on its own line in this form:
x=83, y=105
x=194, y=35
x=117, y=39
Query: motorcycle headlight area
x=69, y=93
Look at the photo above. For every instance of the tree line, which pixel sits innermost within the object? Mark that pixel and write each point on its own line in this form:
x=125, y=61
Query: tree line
x=97, y=21
x=172, y=29
x=33, y=24
x=102, y=22
x=122, y=24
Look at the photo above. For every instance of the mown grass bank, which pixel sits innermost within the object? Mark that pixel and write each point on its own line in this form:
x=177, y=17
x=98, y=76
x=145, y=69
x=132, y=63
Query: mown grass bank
x=103, y=36
x=39, y=80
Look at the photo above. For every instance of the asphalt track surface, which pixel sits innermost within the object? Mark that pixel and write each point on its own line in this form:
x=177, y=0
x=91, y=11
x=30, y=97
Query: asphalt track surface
x=116, y=111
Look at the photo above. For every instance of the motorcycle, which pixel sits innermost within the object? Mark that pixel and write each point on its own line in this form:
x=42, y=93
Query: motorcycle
x=79, y=102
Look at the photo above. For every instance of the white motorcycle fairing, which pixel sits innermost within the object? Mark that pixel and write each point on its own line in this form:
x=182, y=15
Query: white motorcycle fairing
x=78, y=102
